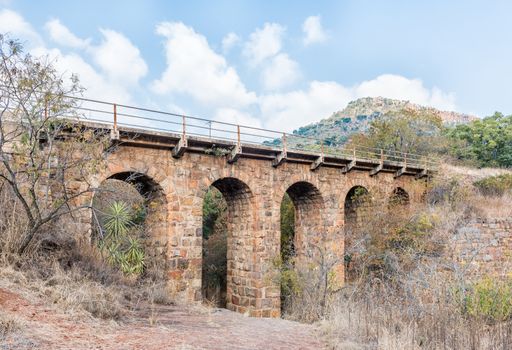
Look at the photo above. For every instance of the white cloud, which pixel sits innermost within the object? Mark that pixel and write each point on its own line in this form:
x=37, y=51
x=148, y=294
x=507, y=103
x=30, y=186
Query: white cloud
x=399, y=87
x=63, y=36
x=313, y=31
x=116, y=56
x=98, y=85
x=281, y=72
x=112, y=79
x=264, y=43
x=119, y=58
x=288, y=111
x=234, y=116
x=230, y=40
x=16, y=26
x=194, y=69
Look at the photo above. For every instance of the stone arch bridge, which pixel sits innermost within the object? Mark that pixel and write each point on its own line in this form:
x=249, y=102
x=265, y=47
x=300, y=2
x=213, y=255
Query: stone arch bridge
x=179, y=167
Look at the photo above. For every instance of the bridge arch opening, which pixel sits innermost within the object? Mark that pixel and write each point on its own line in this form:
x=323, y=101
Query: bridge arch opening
x=227, y=222
x=146, y=206
x=399, y=197
x=356, y=202
x=356, y=206
x=301, y=223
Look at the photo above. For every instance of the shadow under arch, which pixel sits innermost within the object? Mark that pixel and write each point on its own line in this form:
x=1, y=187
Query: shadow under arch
x=144, y=184
x=399, y=197
x=309, y=204
x=125, y=186
x=357, y=205
x=356, y=202
x=240, y=226
x=301, y=219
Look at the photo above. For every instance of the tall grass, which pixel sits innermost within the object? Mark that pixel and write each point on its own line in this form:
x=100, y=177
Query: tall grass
x=407, y=292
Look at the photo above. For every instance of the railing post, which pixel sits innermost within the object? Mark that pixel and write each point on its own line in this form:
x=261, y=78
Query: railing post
x=114, y=134
x=381, y=156
x=284, y=143
x=354, y=152
x=405, y=160
x=182, y=144
x=115, y=116
x=238, y=135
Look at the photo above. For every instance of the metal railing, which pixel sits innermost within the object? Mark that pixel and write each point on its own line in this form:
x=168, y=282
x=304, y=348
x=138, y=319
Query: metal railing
x=114, y=116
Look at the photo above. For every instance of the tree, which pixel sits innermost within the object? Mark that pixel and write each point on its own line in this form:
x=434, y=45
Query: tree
x=46, y=157
x=406, y=131
x=488, y=141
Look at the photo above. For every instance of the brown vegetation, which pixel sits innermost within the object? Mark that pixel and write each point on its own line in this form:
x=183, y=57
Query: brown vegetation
x=406, y=292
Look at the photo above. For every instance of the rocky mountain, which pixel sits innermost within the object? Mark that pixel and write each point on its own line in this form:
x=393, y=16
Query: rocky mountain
x=358, y=114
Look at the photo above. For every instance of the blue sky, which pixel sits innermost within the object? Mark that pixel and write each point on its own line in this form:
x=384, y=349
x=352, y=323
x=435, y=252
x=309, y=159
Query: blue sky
x=276, y=64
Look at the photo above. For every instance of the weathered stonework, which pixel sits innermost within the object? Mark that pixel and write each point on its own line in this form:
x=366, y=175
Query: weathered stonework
x=253, y=190
x=484, y=247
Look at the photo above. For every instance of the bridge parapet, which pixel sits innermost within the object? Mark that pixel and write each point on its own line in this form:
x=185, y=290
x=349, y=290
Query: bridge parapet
x=181, y=133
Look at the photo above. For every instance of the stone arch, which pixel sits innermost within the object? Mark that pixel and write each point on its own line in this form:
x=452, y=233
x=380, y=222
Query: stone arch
x=356, y=204
x=155, y=223
x=399, y=196
x=240, y=225
x=309, y=207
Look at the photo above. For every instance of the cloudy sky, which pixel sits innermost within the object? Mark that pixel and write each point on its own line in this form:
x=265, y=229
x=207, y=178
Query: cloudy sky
x=275, y=64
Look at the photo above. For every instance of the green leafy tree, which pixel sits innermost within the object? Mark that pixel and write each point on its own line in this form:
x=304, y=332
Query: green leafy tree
x=487, y=142
x=406, y=131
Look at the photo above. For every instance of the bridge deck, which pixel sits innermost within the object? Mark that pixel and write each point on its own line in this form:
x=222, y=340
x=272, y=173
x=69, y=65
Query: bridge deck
x=141, y=137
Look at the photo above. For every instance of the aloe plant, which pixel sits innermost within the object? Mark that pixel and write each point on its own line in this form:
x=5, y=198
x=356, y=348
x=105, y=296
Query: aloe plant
x=121, y=248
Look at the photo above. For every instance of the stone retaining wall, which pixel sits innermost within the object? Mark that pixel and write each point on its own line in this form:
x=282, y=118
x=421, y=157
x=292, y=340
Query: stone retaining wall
x=484, y=247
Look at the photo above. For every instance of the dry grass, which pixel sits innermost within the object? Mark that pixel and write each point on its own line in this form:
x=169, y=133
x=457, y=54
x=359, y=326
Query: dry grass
x=8, y=324
x=471, y=174
x=72, y=276
x=408, y=296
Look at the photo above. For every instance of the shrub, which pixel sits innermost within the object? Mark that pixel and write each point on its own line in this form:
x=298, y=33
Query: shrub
x=120, y=244
x=494, y=185
x=489, y=299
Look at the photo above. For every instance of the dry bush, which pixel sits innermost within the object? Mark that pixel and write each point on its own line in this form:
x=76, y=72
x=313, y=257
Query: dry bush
x=8, y=324
x=72, y=275
x=407, y=292
x=74, y=291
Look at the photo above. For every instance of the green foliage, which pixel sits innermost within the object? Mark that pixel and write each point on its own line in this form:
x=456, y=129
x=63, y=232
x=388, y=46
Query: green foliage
x=489, y=299
x=288, y=278
x=287, y=228
x=494, y=185
x=121, y=247
x=218, y=151
x=407, y=131
x=214, y=272
x=117, y=221
x=214, y=206
x=488, y=141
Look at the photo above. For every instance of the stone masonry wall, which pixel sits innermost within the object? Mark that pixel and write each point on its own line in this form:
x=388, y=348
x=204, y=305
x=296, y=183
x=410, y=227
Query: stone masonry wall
x=253, y=190
x=484, y=247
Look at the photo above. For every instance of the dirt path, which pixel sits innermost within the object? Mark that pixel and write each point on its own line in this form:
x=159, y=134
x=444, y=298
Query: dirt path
x=174, y=327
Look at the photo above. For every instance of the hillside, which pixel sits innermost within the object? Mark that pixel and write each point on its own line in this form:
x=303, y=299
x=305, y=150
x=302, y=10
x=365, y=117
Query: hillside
x=358, y=114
